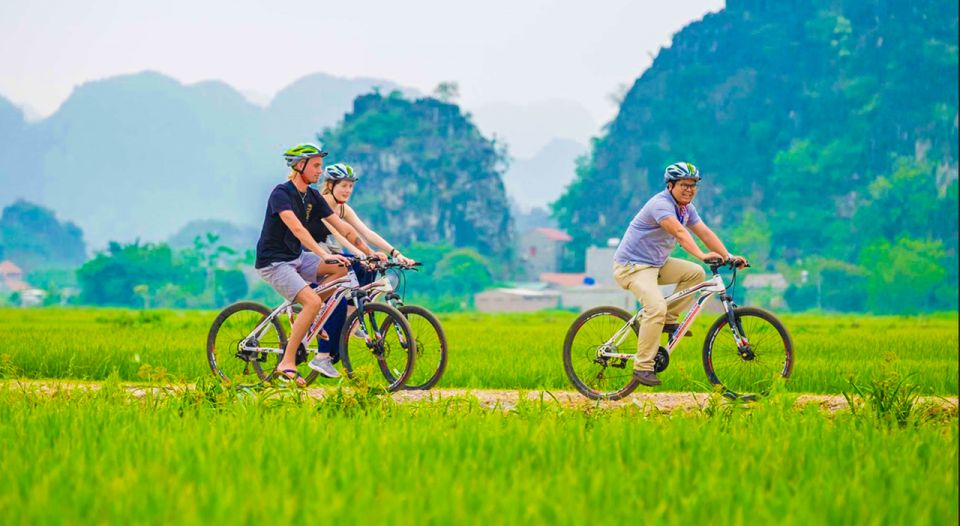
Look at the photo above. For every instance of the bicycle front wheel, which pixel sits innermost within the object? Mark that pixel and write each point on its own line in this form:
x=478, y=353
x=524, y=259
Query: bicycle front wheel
x=600, y=378
x=430, y=345
x=753, y=368
x=377, y=344
x=232, y=363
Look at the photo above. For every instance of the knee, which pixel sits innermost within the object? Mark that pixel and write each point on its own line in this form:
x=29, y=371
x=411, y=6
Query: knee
x=655, y=310
x=311, y=302
x=698, y=274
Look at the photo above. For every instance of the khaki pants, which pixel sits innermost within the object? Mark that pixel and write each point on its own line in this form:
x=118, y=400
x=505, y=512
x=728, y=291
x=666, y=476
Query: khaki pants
x=643, y=282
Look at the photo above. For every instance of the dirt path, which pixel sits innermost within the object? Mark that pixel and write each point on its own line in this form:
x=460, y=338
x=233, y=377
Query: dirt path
x=497, y=398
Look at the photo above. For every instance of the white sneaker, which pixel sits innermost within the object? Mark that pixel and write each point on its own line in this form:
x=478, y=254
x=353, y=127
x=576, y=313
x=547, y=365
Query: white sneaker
x=324, y=366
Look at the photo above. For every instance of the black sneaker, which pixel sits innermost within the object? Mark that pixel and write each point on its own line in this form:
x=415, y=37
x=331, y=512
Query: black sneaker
x=647, y=378
x=670, y=328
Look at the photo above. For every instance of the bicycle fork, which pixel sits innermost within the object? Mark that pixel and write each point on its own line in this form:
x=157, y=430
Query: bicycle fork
x=743, y=345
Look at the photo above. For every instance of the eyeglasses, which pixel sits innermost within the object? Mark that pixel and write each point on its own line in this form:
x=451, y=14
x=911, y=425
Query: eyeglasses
x=687, y=186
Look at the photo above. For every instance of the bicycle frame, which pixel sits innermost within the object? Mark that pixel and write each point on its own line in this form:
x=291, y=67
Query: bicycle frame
x=706, y=289
x=341, y=293
x=383, y=287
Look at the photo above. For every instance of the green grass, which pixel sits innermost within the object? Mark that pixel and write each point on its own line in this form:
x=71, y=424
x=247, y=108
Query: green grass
x=210, y=456
x=507, y=351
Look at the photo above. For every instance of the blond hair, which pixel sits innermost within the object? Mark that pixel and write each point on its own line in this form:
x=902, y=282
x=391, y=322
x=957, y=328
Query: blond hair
x=328, y=185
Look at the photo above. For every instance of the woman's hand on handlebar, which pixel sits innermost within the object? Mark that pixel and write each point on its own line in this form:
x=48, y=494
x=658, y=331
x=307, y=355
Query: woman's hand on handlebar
x=405, y=261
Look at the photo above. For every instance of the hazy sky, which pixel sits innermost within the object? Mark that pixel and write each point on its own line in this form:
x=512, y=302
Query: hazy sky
x=517, y=51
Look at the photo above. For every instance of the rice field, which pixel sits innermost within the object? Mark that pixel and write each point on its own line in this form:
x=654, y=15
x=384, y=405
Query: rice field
x=208, y=453
x=78, y=457
x=505, y=351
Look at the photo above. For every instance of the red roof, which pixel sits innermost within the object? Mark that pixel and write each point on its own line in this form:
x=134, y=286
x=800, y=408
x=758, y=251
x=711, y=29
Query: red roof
x=563, y=279
x=554, y=234
x=7, y=267
x=16, y=285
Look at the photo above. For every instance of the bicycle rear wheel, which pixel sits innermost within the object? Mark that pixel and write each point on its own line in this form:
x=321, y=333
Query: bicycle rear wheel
x=431, y=347
x=600, y=378
x=754, y=368
x=233, y=364
x=379, y=347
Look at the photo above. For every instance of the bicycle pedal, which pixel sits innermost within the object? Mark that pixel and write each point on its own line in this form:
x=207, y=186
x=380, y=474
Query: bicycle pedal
x=661, y=361
x=301, y=354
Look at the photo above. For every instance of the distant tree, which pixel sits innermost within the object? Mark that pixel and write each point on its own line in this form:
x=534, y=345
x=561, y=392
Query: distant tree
x=112, y=277
x=143, y=291
x=616, y=96
x=752, y=238
x=231, y=285
x=447, y=92
x=907, y=276
x=33, y=238
x=465, y=271
x=909, y=201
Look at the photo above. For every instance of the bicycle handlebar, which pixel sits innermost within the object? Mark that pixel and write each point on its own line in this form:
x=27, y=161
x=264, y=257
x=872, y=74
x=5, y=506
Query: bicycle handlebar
x=377, y=264
x=716, y=263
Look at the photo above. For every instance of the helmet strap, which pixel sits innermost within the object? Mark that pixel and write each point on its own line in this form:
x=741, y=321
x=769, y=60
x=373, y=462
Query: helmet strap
x=300, y=170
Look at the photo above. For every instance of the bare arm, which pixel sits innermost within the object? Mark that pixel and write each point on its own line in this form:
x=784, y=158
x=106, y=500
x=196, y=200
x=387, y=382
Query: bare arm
x=713, y=243
x=349, y=233
x=710, y=239
x=351, y=217
x=677, y=230
x=340, y=239
x=293, y=223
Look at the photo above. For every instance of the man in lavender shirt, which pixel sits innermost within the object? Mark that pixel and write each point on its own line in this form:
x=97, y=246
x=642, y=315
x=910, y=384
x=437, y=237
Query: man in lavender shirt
x=642, y=261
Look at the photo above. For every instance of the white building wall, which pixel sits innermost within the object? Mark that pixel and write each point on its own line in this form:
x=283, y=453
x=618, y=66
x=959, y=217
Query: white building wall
x=599, y=266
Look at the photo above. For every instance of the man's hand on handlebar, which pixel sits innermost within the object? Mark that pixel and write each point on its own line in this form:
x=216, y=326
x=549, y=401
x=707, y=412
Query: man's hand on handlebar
x=714, y=259
x=336, y=259
x=738, y=261
x=710, y=257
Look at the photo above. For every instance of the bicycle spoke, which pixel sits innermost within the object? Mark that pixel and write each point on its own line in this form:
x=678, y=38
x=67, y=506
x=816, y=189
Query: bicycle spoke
x=429, y=346
x=594, y=376
x=233, y=325
x=755, y=369
x=382, y=357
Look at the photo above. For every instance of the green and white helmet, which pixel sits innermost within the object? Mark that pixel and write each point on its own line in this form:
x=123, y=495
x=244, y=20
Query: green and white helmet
x=303, y=151
x=340, y=172
x=677, y=171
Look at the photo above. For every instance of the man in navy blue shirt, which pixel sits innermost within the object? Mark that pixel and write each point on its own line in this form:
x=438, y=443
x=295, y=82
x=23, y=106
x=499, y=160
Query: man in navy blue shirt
x=286, y=266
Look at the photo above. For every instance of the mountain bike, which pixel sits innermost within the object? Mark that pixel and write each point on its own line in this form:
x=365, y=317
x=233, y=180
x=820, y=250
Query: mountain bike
x=430, y=340
x=744, y=351
x=247, y=339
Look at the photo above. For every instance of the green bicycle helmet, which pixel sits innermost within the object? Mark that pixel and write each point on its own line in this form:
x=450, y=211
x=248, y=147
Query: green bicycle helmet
x=301, y=152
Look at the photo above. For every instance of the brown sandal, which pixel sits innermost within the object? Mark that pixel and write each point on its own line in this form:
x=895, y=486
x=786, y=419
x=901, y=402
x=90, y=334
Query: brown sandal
x=290, y=375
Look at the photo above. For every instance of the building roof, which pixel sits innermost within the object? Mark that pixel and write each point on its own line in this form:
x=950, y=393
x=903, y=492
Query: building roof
x=16, y=285
x=563, y=279
x=8, y=267
x=553, y=234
